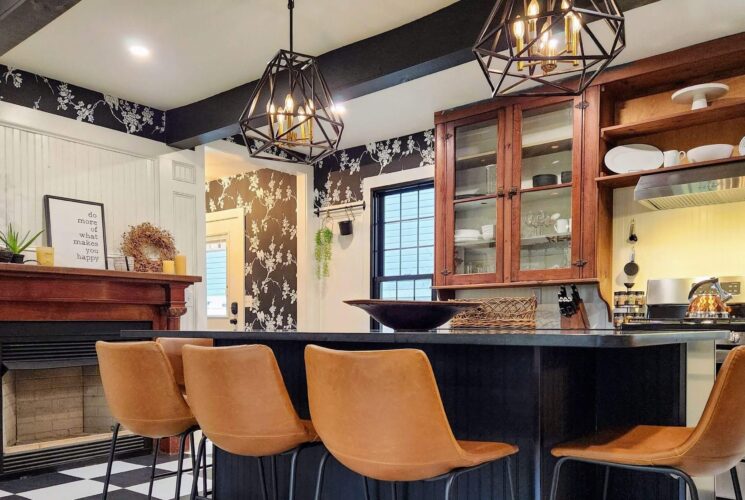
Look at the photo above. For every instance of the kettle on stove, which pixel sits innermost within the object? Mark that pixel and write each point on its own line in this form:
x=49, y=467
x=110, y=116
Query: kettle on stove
x=709, y=304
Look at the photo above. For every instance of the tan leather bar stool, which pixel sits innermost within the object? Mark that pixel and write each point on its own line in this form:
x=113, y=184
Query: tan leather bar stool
x=143, y=396
x=173, y=347
x=379, y=413
x=240, y=400
x=715, y=445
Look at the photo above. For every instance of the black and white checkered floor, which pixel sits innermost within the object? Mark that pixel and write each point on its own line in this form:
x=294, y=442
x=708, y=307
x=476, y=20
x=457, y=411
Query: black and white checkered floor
x=129, y=481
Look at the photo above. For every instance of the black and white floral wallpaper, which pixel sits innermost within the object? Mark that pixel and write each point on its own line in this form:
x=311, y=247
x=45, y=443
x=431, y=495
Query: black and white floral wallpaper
x=269, y=200
x=45, y=94
x=338, y=178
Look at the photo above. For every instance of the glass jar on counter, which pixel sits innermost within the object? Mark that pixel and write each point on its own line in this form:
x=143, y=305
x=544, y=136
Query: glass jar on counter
x=620, y=299
x=640, y=299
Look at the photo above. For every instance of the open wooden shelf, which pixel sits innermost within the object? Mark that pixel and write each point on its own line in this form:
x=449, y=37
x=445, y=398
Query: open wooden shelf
x=546, y=188
x=714, y=113
x=547, y=148
x=630, y=179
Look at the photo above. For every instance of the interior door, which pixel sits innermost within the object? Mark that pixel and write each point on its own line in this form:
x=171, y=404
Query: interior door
x=225, y=277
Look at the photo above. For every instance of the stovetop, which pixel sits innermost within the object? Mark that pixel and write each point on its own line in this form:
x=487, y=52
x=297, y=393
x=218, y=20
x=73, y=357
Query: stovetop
x=735, y=325
x=643, y=324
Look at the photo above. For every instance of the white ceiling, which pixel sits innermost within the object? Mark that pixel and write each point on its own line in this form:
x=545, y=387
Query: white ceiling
x=198, y=48
x=653, y=29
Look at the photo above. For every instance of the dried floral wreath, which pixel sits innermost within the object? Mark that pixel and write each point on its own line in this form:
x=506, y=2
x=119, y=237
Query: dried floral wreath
x=149, y=246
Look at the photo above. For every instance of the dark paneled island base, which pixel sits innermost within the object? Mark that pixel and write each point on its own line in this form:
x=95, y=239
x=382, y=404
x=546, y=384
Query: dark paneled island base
x=533, y=390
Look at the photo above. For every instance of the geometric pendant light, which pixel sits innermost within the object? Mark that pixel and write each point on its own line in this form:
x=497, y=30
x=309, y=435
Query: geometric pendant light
x=291, y=116
x=548, y=47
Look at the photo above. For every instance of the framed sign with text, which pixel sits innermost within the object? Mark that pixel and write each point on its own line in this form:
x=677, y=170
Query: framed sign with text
x=77, y=231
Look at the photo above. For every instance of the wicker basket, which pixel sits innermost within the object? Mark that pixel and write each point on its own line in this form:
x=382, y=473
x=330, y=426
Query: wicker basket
x=498, y=312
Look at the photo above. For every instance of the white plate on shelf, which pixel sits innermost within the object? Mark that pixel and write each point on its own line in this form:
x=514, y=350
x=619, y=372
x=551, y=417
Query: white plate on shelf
x=633, y=158
x=742, y=147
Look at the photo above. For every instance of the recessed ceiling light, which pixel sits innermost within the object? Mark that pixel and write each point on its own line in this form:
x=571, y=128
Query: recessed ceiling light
x=139, y=51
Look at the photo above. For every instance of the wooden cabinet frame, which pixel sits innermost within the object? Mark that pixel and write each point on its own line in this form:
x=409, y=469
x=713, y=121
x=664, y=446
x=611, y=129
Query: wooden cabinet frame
x=585, y=146
x=574, y=270
x=445, y=202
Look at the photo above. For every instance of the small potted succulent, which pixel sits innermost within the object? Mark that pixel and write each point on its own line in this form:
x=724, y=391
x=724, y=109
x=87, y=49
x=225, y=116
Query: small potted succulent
x=15, y=244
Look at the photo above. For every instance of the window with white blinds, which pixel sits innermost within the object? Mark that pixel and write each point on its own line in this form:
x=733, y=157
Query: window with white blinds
x=403, y=242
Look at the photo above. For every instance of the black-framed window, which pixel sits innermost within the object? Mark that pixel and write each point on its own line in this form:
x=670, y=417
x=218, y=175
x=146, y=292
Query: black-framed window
x=404, y=242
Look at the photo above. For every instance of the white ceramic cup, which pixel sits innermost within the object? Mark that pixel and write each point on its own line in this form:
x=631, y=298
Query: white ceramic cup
x=673, y=157
x=561, y=226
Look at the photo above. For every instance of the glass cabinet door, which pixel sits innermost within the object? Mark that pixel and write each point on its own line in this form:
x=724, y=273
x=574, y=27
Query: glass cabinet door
x=545, y=171
x=475, y=207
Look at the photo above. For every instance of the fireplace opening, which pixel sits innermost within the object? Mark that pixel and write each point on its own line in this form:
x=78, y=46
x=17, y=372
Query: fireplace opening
x=51, y=407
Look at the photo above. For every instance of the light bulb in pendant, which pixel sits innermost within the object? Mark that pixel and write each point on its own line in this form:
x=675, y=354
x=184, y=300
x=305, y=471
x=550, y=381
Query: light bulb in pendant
x=518, y=28
x=289, y=104
x=533, y=10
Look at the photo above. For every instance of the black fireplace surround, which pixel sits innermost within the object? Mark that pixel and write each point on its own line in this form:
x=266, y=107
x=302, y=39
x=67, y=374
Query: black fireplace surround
x=57, y=344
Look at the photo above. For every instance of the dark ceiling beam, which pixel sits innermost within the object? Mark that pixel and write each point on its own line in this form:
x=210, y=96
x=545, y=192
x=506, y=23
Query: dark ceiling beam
x=19, y=19
x=433, y=43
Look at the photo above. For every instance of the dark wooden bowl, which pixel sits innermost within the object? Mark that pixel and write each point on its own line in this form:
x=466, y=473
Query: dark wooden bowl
x=410, y=314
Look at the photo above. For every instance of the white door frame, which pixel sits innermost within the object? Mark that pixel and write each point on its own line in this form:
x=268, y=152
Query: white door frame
x=233, y=230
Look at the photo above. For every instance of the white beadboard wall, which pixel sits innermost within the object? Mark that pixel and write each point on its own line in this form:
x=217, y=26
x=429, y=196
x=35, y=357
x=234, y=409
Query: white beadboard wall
x=33, y=164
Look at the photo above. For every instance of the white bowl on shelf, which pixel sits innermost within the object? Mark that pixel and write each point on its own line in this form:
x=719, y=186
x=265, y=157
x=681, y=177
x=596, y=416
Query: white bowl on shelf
x=710, y=152
x=742, y=147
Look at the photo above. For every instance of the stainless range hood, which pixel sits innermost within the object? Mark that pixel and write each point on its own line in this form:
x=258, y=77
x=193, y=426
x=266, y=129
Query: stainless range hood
x=692, y=187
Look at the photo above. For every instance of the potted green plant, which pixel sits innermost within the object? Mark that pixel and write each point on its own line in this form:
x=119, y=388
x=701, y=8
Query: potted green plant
x=15, y=244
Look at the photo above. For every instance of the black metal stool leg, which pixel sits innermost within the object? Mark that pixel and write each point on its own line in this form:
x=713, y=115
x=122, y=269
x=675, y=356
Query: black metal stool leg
x=449, y=485
x=193, y=451
x=367, y=490
x=689, y=482
x=194, y=484
x=319, y=478
x=204, y=464
x=508, y=471
x=180, y=469
x=293, y=472
x=606, y=480
x=111, y=462
x=156, y=448
x=555, y=481
x=394, y=491
x=264, y=495
x=273, y=463
x=735, y=483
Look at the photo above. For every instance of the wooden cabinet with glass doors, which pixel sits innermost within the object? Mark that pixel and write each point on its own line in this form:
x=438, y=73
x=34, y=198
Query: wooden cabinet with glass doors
x=509, y=194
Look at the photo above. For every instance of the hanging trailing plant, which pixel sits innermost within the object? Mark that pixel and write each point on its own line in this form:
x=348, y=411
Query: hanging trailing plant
x=324, y=236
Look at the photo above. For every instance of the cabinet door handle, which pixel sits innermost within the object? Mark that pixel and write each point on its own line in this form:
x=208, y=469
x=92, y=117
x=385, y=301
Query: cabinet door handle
x=580, y=263
x=512, y=192
x=500, y=193
x=445, y=272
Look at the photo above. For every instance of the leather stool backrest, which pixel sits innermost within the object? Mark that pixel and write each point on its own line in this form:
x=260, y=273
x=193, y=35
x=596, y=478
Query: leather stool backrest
x=718, y=443
x=239, y=398
x=379, y=412
x=173, y=346
x=140, y=389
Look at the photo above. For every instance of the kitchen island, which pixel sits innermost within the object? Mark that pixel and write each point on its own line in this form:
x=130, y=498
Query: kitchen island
x=532, y=388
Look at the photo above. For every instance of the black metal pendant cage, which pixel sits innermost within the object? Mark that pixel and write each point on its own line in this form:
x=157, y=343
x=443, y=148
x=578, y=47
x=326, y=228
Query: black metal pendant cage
x=291, y=115
x=548, y=47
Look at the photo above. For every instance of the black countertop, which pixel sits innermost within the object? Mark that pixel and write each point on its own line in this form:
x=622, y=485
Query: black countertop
x=508, y=337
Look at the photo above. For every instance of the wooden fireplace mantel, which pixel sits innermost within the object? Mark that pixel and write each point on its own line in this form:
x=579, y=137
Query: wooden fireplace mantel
x=39, y=293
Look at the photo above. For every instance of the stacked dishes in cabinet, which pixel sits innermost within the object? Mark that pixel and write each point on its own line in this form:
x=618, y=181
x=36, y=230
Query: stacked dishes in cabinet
x=627, y=306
